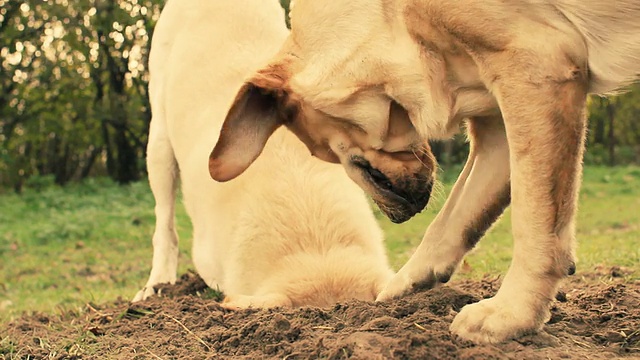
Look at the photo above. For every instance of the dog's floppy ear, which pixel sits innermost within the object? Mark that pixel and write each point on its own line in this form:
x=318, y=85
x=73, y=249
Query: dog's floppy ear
x=261, y=106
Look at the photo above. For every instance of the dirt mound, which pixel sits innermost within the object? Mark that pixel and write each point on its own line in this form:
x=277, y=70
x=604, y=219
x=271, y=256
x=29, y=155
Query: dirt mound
x=591, y=318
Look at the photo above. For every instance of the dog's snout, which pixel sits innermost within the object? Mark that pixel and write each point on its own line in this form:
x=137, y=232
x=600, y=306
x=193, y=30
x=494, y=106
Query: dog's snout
x=417, y=196
x=380, y=178
x=422, y=199
x=377, y=176
x=399, y=194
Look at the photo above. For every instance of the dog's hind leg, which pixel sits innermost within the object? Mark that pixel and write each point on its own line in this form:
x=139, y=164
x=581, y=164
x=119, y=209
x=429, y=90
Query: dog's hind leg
x=478, y=198
x=163, y=174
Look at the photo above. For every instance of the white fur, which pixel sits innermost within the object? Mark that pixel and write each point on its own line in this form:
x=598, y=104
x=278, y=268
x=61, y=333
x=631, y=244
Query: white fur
x=291, y=230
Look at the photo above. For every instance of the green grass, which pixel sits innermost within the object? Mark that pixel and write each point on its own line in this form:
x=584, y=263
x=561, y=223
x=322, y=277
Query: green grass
x=608, y=227
x=63, y=247
x=91, y=242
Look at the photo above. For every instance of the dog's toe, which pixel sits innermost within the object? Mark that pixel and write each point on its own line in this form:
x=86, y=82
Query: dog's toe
x=144, y=294
x=495, y=320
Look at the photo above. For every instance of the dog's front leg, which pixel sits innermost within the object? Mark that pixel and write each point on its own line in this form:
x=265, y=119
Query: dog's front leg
x=545, y=125
x=163, y=176
x=477, y=199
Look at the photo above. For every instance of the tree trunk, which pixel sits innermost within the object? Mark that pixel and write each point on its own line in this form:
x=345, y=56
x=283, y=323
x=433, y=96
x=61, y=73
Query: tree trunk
x=111, y=169
x=612, y=139
x=598, y=132
x=88, y=165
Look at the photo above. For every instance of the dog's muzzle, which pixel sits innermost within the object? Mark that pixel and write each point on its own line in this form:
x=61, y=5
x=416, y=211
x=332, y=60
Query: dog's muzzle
x=399, y=199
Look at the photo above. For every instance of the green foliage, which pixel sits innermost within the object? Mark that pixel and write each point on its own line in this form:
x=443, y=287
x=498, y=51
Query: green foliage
x=212, y=294
x=73, y=88
x=285, y=4
x=614, y=123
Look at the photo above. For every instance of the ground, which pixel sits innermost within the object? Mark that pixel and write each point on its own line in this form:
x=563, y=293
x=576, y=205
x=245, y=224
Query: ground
x=67, y=253
x=595, y=316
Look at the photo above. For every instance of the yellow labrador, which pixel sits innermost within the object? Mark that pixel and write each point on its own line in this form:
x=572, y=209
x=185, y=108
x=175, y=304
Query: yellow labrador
x=366, y=83
x=287, y=231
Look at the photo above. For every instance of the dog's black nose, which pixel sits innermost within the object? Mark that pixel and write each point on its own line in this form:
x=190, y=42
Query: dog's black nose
x=422, y=198
x=400, y=198
x=381, y=179
x=414, y=191
x=377, y=176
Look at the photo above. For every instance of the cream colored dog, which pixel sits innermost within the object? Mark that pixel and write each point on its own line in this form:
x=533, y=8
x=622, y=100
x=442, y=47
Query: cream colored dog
x=367, y=82
x=292, y=230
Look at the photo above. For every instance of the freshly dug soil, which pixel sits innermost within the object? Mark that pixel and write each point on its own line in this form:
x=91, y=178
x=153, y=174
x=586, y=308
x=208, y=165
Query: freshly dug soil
x=595, y=316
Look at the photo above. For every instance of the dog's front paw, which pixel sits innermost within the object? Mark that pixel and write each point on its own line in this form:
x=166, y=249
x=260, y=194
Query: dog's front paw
x=429, y=266
x=402, y=284
x=144, y=293
x=159, y=275
x=498, y=319
x=149, y=290
x=411, y=278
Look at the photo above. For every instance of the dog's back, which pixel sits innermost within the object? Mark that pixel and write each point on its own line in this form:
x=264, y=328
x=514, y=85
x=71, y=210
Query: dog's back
x=201, y=52
x=611, y=30
x=292, y=226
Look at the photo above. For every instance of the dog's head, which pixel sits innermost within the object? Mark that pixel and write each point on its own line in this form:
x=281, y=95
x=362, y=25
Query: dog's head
x=354, y=93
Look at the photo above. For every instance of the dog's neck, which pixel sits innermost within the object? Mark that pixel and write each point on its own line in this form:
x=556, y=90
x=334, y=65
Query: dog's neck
x=443, y=52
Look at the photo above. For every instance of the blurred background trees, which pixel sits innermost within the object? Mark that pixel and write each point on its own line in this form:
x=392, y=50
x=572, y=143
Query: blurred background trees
x=74, y=104
x=73, y=88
